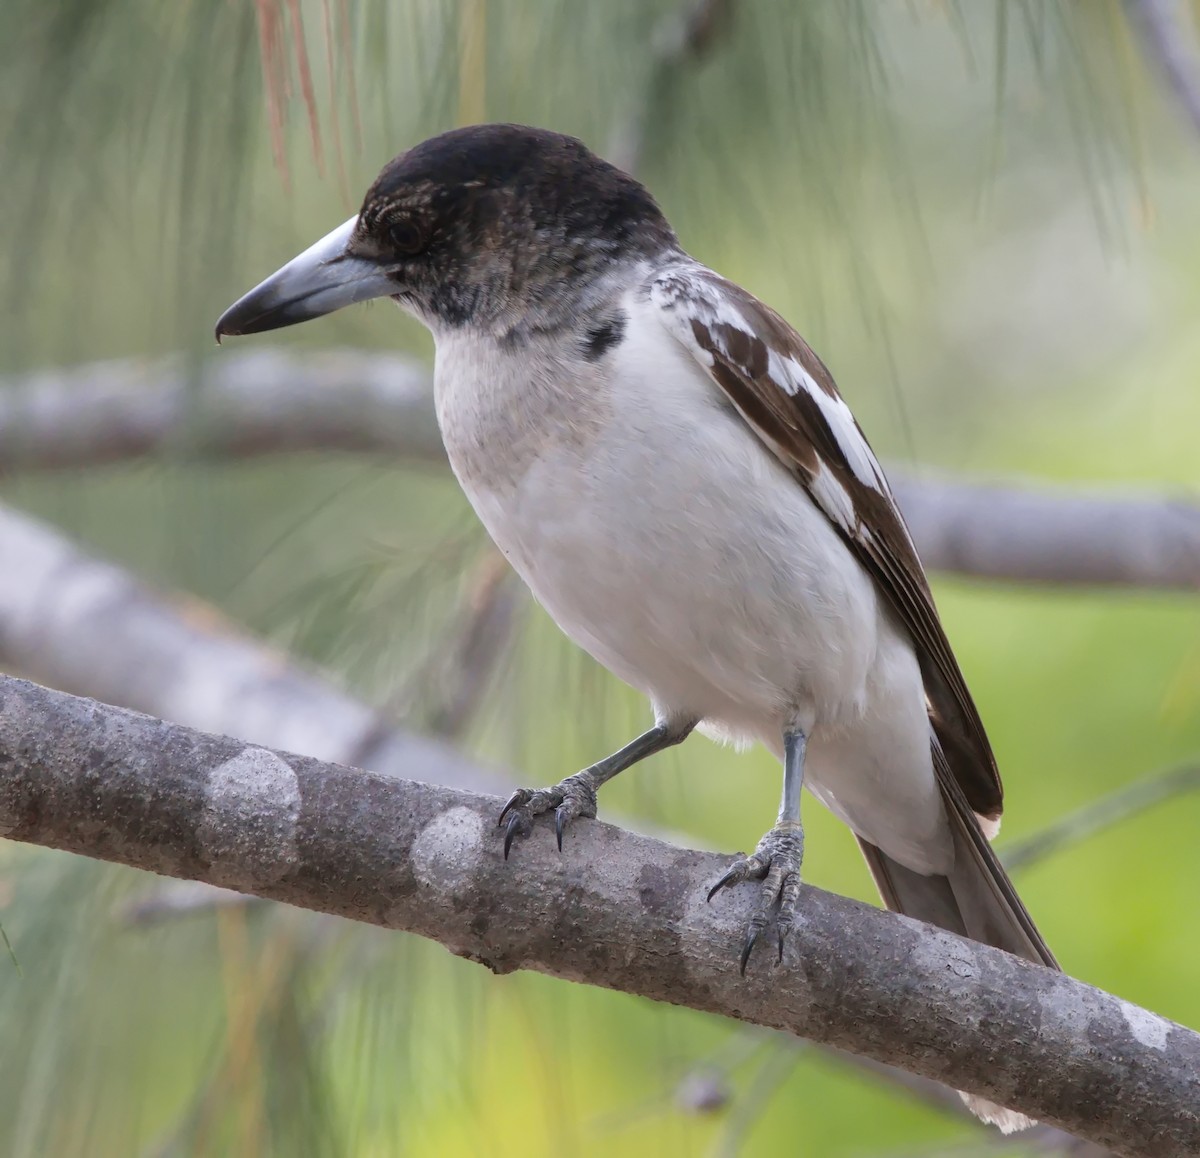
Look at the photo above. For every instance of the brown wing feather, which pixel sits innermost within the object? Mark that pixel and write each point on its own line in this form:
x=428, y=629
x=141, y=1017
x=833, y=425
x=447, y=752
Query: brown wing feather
x=749, y=348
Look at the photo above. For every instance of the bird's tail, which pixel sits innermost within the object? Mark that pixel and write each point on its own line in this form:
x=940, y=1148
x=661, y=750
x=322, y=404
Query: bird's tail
x=975, y=899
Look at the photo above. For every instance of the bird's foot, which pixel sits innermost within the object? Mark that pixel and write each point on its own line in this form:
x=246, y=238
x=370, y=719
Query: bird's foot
x=570, y=798
x=775, y=862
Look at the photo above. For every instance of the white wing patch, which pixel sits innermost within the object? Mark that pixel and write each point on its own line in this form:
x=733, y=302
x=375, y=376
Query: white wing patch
x=859, y=456
x=792, y=377
x=727, y=313
x=684, y=299
x=835, y=501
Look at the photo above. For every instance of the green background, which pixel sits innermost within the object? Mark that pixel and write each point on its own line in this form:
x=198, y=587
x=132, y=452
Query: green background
x=984, y=216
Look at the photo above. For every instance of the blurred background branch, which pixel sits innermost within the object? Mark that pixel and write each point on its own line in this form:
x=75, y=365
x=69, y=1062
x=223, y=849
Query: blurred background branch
x=1169, y=36
x=242, y=404
x=89, y=627
x=1097, y=815
x=268, y=401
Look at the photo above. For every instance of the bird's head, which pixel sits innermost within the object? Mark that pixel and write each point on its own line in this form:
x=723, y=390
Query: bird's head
x=478, y=226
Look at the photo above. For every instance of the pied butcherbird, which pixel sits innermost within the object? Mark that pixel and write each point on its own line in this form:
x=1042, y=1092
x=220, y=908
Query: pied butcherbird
x=672, y=471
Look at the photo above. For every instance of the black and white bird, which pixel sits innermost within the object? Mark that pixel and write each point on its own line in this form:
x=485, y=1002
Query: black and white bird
x=671, y=469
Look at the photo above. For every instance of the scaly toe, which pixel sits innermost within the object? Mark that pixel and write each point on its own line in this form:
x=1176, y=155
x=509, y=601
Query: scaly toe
x=776, y=862
x=745, y=868
x=518, y=799
x=573, y=797
x=579, y=799
x=789, y=895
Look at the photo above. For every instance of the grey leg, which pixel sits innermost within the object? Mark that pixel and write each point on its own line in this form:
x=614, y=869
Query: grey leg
x=576, y=795
x=777, y=859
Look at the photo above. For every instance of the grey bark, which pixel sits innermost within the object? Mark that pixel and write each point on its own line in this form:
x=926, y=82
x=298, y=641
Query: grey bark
x=267, y=401
x=615, y=909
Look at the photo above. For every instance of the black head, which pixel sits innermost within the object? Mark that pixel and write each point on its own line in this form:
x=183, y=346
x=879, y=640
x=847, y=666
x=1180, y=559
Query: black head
x=482, y=225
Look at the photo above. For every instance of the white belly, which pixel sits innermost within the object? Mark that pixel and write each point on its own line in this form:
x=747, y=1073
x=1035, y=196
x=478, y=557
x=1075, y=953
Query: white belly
x=706, y=578
x=671, y=546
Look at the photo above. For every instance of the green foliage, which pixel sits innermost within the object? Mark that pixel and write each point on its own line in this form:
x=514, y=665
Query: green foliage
x=976, y=211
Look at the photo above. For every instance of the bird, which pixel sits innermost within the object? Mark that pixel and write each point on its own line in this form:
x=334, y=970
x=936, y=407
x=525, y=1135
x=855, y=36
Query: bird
x=672, y=471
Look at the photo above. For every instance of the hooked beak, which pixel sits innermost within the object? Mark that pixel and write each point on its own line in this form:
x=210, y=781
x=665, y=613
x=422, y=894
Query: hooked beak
x=322, y=279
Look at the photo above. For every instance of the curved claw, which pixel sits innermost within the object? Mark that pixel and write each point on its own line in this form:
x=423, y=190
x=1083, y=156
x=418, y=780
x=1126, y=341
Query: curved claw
x=776, y=863
x=514, y=827
x=752, y=935
x=518, y=798
x=730, y=878
x=745, y=868
x=754, y=930
x=571, y=798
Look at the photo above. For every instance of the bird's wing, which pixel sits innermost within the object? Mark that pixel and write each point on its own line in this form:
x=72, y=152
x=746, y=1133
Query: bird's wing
x=787, y=396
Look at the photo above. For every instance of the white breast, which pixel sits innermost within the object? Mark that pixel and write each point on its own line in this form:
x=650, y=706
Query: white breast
x=666, y=541
x=655, y=529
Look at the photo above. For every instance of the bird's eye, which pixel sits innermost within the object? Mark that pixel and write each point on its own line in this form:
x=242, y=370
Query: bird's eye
x=405, y=235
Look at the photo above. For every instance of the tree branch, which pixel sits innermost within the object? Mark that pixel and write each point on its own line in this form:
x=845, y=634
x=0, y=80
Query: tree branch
x=617, y=910
x=268, y=401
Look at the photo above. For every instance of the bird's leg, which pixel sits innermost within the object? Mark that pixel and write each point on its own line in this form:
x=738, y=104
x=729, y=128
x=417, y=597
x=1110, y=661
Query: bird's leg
x=576, y=795
x=776, y=860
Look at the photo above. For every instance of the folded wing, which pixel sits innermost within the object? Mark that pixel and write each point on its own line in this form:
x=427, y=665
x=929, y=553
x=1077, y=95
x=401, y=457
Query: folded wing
x=788, y=397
